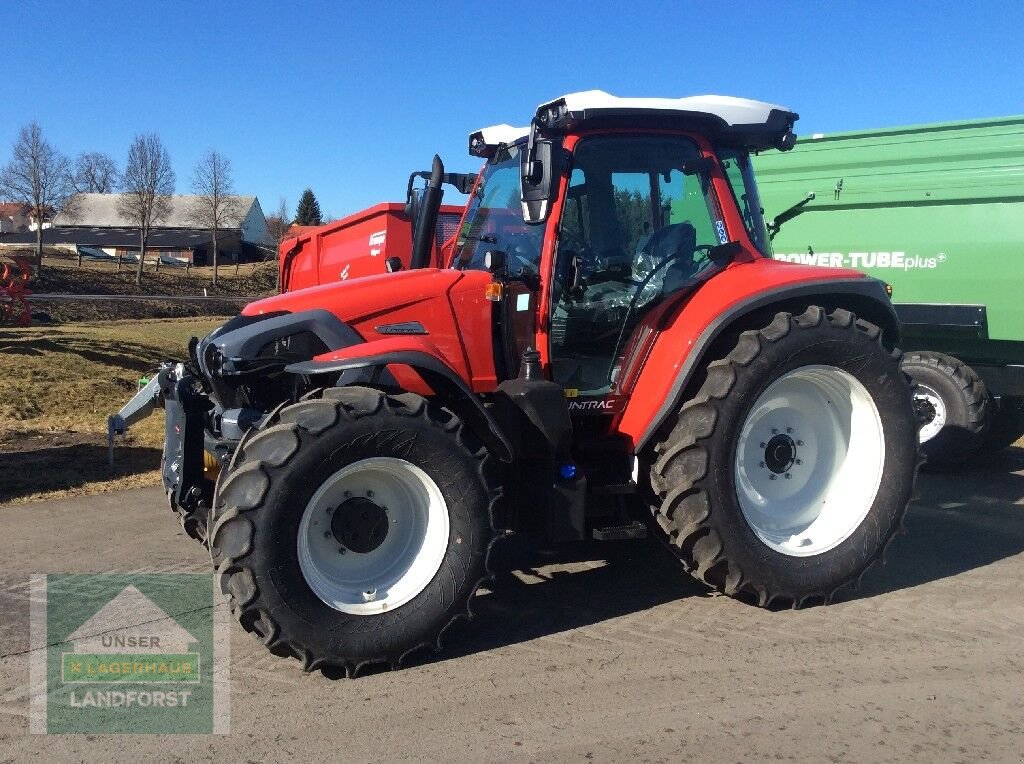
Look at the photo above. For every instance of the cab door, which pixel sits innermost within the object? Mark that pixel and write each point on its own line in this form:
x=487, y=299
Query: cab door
x=637, y=225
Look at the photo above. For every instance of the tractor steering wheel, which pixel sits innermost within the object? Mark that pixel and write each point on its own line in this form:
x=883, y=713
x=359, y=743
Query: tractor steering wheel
x=523, y=254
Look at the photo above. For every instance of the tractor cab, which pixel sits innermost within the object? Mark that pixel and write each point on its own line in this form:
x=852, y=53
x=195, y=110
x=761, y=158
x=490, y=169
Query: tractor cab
x=603, y=210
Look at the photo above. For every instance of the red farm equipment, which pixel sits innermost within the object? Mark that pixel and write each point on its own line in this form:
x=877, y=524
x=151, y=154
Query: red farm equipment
x=14, y=291
x=605, y=340
x=363, y=243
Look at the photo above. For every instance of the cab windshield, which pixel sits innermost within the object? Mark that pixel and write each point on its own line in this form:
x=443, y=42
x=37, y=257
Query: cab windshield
x=494, y=219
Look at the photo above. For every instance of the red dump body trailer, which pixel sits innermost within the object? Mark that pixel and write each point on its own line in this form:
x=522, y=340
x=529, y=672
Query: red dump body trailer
x=357, y=245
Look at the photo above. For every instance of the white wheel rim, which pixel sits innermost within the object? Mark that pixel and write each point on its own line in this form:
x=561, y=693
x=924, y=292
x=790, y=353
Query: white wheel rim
x=931, y=428
x=415, y=515
x=809, y=489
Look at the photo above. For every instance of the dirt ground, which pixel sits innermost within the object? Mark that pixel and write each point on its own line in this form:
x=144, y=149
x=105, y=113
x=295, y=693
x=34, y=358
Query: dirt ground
x=605, y=652
x=62, y=275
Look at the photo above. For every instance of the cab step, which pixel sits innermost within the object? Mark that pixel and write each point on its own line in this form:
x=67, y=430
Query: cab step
x=633, y=530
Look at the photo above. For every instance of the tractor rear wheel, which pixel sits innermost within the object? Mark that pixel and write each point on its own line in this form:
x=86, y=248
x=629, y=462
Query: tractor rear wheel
x=788, y=473
x=353, y=529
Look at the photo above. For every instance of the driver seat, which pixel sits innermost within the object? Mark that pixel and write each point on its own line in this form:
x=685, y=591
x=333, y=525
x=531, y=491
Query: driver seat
x=678, y=242
x=672, y=239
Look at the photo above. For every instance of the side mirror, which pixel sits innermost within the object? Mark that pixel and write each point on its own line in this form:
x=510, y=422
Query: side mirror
x=539, y=180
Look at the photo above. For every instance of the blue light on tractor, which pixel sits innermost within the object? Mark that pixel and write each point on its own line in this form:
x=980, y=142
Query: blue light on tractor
x=567, y=471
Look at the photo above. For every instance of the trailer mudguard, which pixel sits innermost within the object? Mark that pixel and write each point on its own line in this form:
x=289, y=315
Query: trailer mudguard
x=699, y=322
x=425, y=359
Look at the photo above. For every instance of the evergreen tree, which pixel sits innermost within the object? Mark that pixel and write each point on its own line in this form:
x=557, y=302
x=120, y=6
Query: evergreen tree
x=308, y=211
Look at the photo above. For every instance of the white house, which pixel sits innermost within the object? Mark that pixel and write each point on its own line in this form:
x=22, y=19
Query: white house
x=94, y=221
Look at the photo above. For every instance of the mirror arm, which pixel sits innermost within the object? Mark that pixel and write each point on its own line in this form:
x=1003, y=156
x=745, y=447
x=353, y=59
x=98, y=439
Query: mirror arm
x=787, y=215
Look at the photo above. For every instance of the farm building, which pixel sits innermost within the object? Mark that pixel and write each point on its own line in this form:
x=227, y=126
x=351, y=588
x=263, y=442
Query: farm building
x=93, y=224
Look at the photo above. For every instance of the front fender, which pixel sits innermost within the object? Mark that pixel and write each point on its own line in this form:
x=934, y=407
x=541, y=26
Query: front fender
x=426, y=360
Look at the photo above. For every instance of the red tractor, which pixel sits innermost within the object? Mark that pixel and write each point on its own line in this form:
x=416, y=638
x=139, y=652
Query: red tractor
x=605, y=335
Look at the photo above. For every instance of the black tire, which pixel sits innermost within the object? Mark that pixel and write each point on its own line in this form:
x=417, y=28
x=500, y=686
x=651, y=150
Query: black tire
x=693, y=473
x=1006, y=425
x=964, y=399
x=271, y=479
x=194, y=522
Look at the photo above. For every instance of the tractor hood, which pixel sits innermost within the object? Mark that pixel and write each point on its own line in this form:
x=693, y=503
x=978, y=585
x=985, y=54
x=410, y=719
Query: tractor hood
x=367, y=298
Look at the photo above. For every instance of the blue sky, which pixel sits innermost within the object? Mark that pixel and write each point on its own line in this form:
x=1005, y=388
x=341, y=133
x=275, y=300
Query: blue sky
x=348, y=98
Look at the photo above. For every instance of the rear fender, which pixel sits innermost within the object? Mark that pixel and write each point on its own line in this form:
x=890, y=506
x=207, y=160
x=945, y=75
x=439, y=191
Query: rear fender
x=426, y=360
x=673, y=368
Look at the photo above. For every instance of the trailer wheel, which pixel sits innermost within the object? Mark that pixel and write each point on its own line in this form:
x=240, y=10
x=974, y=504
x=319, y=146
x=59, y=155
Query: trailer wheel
x=953, y=407
x=788, y=473
x=355, y=528
x=1006, y=425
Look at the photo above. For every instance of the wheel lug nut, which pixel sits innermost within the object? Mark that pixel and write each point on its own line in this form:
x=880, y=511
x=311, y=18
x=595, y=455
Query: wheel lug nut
x=788, y=476
x=799, y=442
x=341, y=550
x=789, y=430
x=348, y=494
x=764, y=445
x=775, y=431
x=327, y=534
x=761, y=465
x=771, y=477
x=369, y=494
x=799, y=461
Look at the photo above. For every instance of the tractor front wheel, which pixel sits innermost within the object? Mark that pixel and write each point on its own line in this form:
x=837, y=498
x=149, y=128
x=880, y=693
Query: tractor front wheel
x=354, y=528
x=788, y=473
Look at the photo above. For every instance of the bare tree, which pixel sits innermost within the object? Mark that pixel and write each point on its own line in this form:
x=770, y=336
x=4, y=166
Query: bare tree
x=95, y=173
x=37, y=175
x=146, y=189
x=216, y=204
x=278, y=224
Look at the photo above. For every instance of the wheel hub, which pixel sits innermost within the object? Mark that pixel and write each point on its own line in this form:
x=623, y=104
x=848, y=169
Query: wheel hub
x=373, y=535
x=931, y=412
x=808, y=460
x=780, y=454
x=360, y=525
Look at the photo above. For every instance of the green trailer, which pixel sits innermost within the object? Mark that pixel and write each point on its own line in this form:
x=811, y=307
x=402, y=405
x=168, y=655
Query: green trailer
x=936, y=211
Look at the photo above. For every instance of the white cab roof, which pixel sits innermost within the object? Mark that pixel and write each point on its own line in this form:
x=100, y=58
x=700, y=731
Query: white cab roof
x=732, y=111
x=484, y=143
x=756, y=124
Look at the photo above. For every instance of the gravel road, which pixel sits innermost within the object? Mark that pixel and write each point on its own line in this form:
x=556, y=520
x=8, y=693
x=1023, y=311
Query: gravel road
x=605, y=652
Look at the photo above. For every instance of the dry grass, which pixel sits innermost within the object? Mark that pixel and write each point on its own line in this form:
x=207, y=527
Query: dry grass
x=58, y=385
x=65, y=277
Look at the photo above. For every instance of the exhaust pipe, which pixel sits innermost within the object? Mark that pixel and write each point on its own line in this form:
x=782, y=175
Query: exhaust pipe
x=423, y=243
